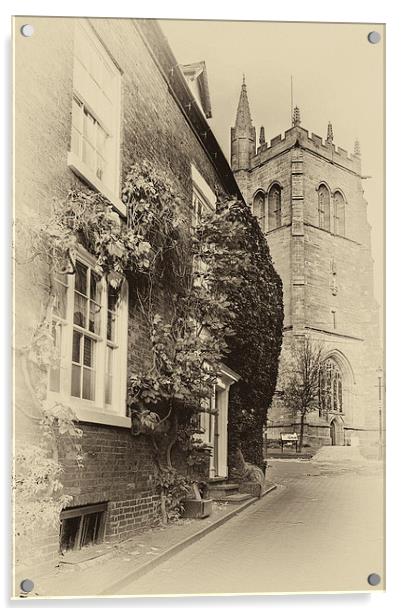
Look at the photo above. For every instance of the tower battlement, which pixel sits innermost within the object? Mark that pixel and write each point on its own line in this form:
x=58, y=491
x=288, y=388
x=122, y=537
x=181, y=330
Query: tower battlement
x=309, y=141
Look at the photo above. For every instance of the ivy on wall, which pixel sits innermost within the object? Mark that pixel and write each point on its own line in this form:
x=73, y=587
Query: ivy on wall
x=207, y=294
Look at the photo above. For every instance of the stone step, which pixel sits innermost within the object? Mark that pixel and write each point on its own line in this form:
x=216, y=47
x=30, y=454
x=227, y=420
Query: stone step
x=222, y=489
x=233, y=498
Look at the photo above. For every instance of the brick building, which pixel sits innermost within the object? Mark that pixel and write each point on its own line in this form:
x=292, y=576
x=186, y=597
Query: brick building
x=92, y=97
x=308, y=196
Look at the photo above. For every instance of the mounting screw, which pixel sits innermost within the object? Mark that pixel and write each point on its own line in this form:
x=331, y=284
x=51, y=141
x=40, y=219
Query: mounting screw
x=374, y=37
x=27, y=30
x=26, y=587
x=374, y=579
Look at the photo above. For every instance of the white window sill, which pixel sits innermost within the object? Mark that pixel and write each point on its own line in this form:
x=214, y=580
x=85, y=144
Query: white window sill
x=103, y=418
x=90, y=414
x=84, y=172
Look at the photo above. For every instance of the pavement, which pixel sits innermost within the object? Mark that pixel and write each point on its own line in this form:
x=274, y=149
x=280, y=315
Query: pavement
x=101, y=569
x=320, y=530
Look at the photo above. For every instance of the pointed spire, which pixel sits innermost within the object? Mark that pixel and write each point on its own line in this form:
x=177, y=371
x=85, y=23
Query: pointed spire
x=243, y=137
x=357, y=151
x=330, y=134
x=243, y=116
x=296, y=116
x=262, y=135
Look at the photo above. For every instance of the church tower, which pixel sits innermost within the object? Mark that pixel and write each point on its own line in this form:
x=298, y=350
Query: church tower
x=307, y=195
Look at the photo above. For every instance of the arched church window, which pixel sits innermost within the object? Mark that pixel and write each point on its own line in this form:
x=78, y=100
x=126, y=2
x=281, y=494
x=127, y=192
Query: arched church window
x=331, y=388
x=339, y=213
x=259, y=209
x=274, y=207
x=323, y=207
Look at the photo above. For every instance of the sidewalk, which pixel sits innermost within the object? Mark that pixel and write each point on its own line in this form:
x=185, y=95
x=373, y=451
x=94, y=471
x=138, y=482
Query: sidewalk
x=99, y=568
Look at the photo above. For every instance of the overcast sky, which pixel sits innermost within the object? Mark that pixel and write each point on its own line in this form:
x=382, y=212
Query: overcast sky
x=337, y=76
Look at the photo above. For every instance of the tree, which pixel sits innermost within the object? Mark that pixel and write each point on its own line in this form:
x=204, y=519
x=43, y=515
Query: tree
x=300, y=379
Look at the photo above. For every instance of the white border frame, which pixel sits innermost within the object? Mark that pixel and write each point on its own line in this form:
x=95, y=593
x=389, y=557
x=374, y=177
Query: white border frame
x=288, y=10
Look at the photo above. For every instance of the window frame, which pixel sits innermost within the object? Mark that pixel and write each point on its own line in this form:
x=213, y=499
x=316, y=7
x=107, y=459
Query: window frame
x=110, y=125
x=323, y=215
x=82, y=513
x=274, y=206
x=259, y=202
x=337, y=218
x=97, y=410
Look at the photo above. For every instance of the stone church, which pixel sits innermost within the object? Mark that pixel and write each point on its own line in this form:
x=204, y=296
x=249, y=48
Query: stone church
x=307, y=195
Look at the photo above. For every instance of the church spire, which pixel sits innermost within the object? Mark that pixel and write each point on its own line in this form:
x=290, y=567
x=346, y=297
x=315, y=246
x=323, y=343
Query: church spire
x=243, y=138
x=243, y=115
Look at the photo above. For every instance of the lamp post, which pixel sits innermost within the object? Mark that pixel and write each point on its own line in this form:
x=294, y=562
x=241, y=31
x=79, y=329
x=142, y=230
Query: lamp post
x=380, y=386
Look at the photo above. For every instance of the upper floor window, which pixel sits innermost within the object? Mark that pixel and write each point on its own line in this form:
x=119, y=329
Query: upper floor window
x=339, y=213
x=259, y=209
x=89, y=332
x=95, y=112
x=323, y=207
x=200, y=206
x=204, y=199
x=274, y=207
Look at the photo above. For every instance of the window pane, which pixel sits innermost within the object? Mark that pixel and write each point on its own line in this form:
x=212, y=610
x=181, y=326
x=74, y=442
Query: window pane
x=88, y=154
x=88, y=359
x=69, y=533
x=94, y=318
x=109, y=375
x=81, y=277
x=108, y=389
x=111, y=326
x=90, y=528
x=77, y=115
x=76, y=381
x=80, y=310
x=100, y=167
x=101, y=137
x=95, y=287
x=89, y=127
x=60, y=302
x=88, y=384
x=76, y=347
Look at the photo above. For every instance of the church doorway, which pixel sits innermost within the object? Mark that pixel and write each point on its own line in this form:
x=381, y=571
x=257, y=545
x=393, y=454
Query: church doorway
x=336, y=432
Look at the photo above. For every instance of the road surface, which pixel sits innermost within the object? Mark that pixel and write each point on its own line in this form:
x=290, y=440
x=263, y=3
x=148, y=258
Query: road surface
x=320, y=530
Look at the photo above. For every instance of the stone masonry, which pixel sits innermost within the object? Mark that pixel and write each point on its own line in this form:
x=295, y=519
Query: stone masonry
x=327, y=274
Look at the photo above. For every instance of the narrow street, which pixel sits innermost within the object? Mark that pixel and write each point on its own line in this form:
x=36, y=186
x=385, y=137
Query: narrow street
x=321, y=529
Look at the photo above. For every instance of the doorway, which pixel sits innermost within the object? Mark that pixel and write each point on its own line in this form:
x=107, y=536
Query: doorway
x=336, y=432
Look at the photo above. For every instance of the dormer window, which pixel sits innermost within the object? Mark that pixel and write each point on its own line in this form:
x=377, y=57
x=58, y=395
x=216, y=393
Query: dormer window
x=197, y=80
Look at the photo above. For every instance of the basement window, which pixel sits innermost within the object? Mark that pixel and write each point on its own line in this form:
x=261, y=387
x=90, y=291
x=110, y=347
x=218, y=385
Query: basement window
x=82, y=526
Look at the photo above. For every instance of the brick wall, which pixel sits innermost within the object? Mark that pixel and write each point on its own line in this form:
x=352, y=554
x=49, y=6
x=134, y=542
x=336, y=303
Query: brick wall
x=118, y=466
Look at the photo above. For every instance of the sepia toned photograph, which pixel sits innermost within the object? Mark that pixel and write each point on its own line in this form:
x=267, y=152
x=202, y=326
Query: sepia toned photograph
x=198, y=280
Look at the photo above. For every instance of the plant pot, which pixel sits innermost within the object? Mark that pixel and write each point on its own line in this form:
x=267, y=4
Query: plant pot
x=197, y=508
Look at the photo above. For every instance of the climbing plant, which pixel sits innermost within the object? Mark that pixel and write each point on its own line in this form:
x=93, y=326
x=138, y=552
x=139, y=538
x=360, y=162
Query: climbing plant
x=253, y=291
x=206, y=293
